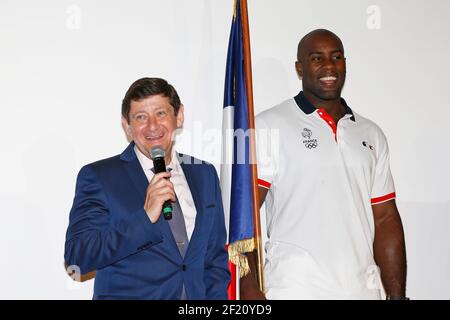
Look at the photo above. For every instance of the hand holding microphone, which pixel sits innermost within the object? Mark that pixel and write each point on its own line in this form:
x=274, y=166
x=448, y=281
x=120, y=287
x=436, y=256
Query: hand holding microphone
x=160, y=191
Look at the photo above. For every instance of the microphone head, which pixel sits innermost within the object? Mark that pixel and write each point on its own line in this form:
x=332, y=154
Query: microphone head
x=157, y=152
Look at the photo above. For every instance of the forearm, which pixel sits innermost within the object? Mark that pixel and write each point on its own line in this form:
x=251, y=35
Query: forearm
x=249, y=289
x=94, y=239
x=390, y=255
x=92, y=246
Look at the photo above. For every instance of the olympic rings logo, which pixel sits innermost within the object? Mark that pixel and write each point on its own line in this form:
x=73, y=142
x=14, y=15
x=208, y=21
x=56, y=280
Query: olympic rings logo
x=310, y=143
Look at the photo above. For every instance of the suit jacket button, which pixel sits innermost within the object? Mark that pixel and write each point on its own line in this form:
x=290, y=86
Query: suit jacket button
x=183, y=267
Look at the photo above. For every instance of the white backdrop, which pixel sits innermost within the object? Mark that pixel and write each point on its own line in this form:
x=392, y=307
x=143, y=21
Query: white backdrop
x=65, y=66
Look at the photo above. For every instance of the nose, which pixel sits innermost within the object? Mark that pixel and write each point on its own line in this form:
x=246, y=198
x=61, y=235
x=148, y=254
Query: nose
x=329, y=63
x=152, y=123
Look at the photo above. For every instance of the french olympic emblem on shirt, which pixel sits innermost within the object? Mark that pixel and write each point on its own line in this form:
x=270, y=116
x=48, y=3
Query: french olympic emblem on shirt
x=308, y=142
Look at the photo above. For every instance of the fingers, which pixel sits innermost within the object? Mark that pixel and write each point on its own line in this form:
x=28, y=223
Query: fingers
x=160, y=176
x=160, y=186
x=159, y=190
x=162, y=194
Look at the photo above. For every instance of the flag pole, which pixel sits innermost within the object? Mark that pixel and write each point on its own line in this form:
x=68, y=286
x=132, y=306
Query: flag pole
x=251, y=116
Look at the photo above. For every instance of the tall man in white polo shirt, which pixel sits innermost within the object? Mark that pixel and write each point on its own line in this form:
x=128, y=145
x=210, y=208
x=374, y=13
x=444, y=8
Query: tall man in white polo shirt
x=116, y=227
x=334, y=231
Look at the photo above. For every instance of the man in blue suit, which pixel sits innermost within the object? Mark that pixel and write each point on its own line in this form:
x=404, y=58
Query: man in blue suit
x=116, y=227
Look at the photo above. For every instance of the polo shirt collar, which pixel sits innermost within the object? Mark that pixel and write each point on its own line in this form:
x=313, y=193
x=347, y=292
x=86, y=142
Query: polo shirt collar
x=308, y=108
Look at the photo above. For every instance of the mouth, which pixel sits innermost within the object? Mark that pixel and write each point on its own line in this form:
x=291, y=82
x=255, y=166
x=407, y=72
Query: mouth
x=328, y=81
x=154, y=137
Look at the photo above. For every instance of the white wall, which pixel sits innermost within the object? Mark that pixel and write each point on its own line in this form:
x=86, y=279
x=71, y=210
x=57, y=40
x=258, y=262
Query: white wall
x=65, y=66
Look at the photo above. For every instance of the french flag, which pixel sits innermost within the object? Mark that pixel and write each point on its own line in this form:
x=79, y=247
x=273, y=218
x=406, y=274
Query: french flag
x=238, y=175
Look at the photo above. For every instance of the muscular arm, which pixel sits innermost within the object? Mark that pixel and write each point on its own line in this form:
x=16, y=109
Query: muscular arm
x=249, y=284
x=389, y=248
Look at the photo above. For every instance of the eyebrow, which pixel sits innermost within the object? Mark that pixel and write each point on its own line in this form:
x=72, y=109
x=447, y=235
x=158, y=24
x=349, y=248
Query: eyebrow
x=321, y=52
x=161, y=108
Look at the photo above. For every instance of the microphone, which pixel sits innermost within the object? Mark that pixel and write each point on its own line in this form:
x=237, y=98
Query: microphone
x=159, y=165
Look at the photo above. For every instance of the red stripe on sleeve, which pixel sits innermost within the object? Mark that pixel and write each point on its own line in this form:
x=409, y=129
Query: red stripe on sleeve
x=264, y=184
x=389, y=196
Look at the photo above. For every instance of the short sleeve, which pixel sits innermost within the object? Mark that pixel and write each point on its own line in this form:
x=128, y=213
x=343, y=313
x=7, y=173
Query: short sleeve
x=383, y=186
x=266, y=138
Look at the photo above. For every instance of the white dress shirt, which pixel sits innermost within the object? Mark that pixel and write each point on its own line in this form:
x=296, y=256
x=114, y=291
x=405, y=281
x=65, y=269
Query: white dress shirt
x=180, y=184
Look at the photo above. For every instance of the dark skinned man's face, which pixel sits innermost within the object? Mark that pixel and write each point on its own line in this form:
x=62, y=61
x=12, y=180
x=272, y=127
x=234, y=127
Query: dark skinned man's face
x=322, y=66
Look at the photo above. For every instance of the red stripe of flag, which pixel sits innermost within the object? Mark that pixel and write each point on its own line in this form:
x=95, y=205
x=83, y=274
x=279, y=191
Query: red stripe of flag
x=232, y=285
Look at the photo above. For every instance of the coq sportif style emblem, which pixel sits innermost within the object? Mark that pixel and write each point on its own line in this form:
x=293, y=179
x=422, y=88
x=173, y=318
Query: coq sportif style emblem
x=306, y=133
x=309, y=143
x=367, y=145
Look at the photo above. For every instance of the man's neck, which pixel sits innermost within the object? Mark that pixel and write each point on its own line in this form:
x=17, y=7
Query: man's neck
x=167, y=158
x=333, y=107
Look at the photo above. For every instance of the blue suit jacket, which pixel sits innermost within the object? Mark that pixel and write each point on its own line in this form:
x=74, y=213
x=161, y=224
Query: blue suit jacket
x=109, y=232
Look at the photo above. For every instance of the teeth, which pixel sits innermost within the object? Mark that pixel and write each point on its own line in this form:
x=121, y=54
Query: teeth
x=153, y=138
x=329, y=78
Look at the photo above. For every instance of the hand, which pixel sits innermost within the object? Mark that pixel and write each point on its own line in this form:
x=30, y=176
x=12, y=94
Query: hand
x=252, y=293
x=249, y=289
x=159, y=190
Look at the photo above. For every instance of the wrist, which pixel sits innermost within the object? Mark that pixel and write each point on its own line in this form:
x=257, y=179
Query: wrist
x=152, y=216
x=396, y=297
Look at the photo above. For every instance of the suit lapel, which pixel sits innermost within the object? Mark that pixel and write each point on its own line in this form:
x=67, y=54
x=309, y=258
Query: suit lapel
x=137, y=175
x=194, y=183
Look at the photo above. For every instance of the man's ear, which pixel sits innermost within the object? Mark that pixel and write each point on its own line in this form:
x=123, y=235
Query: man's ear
x=126, y=127
x=180, y=116
x=299, y=68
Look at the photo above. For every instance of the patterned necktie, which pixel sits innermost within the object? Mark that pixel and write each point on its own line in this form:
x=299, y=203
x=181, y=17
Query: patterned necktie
x=178, y=228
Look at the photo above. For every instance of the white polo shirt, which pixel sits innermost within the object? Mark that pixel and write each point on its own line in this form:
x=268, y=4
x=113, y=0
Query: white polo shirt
x=323, y=179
